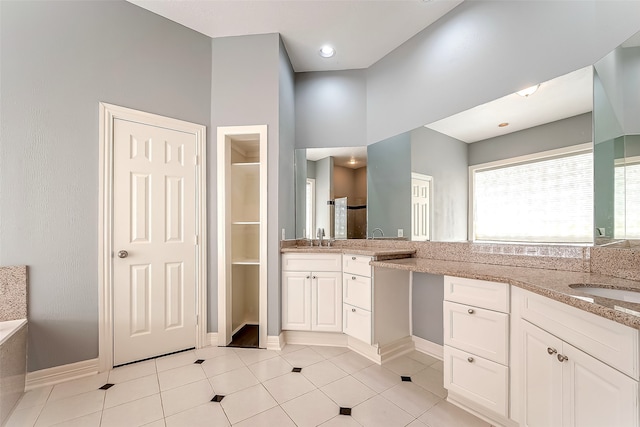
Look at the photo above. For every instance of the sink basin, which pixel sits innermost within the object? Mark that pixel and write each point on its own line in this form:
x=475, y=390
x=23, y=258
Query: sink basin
x=616, y=294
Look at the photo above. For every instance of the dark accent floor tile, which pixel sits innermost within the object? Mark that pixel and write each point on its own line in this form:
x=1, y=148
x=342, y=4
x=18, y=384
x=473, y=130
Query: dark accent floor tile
x=107, y=386
x=296, y=370
x=407, y=379
x=217, y=398
x=345, y=411
x=199, y=361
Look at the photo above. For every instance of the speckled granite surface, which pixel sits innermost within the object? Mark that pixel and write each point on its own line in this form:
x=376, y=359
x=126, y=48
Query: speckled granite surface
x=619, y=262
x=13, y=292
x=376, y=253
x=554, y=284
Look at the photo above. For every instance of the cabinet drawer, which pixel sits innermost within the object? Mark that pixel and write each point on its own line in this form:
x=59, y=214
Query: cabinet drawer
x=356, y=290
x=356, y=264
x=481, y=332
x=477, y=379
x=357, y=323
x=311, y=262
x=479, y=293
x=611, y=342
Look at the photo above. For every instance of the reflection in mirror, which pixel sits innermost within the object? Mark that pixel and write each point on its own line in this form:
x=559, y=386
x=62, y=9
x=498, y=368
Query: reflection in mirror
x=617, y=143
x=331, y=192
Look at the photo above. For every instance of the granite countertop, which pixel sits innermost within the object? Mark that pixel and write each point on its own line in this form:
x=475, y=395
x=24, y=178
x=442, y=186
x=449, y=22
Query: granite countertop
x=379, y=254
x=553, y=284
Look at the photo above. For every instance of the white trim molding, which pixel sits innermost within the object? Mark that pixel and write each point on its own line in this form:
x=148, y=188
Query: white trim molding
x=59, y=374
x=275, y=342
x=109, y=113
x=428, y=347
x=336, y=339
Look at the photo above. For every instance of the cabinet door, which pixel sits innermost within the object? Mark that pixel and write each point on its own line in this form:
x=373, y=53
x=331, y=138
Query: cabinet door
x=296, y=301
x=595, y=394
x=357, y=323
x=541, y=376
x=326, y=301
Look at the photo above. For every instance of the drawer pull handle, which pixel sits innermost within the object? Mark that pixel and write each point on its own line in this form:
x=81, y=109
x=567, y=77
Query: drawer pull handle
x=562, y=358
x=551, y=351
x=353, y=277
x=314, y=277
x=353, y=310
x=353, y=258
x=470, y=359
x=470, y=311
x=308, y=277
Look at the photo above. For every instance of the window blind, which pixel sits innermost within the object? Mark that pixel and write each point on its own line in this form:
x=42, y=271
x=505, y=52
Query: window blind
x=627, y=201
x=549, y=200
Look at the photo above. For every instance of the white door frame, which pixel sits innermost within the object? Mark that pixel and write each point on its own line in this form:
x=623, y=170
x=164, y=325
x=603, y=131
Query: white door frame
x=224, y=252
x=108, y=113
x=429, y=180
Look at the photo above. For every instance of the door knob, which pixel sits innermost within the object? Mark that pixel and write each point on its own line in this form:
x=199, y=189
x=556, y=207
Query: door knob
x=123, y=254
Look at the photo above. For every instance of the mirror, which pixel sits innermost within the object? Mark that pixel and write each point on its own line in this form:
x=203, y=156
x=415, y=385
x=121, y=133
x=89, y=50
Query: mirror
x=558, y=115
x=331, y=192
x=617, y=143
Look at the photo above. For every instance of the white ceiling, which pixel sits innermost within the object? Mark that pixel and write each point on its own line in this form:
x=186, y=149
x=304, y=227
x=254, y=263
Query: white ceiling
x=557, y=99
x=361, y=31
x=342, y=156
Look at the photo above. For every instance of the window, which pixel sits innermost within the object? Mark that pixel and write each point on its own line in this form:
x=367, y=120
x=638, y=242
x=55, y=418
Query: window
x=627, y=199
x=543, y=198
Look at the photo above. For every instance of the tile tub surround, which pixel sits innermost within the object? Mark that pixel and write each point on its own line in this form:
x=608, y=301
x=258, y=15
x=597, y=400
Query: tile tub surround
x=13, y=292
x=13, y=368
x=553, y=284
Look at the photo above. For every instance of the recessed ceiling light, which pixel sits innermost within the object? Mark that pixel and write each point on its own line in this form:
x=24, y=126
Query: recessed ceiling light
x=528, y=91
x=327, y=51
x=503, y=125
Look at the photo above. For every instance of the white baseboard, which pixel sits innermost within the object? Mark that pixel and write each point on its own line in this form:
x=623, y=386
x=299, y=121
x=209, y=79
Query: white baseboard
x=212, y=338
x=275, y=342
x=383, y=353
x=335, y=339
x=58, y=374
x=428, y=347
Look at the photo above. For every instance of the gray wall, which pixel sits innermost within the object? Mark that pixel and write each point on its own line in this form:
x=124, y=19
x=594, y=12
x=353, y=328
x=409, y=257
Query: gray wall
x=249, y=77
x=445, y=159
x=562, y=133
x=59, y=59
x=426, y=307
x=481, y=51
x=331, y=109
x=389, y=185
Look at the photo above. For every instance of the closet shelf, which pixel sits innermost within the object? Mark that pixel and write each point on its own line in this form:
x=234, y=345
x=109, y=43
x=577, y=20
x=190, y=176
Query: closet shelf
x=246, y=164
x=246, y=222
x=245, y=262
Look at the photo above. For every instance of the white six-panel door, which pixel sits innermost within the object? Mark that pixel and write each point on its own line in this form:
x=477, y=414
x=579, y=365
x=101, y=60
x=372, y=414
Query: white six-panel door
x=154, y=241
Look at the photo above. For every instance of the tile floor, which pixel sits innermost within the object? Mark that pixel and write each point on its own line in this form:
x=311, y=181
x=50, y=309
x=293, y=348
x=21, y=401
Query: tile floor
x=254, y=388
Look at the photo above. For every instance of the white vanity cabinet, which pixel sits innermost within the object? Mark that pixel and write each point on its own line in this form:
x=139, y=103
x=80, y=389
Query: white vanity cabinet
x=576, y=368
x=312, y=292
x=375, y=302
x=476, y=344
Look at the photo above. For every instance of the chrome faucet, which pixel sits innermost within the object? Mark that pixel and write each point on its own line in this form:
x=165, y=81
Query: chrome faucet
x=373, y=233
x=320, y=235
